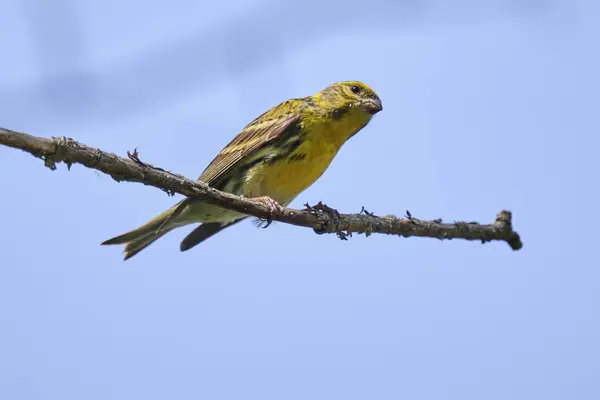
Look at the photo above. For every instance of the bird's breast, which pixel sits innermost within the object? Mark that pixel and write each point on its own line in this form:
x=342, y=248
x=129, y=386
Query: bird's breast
x=291, y=166
x=286, y=172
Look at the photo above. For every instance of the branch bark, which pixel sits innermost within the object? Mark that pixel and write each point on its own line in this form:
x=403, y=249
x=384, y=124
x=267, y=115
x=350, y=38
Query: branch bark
x=320, y=217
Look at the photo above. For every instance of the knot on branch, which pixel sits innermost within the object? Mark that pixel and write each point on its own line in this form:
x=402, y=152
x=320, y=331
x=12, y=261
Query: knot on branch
x=61, y=149
x=329, y=220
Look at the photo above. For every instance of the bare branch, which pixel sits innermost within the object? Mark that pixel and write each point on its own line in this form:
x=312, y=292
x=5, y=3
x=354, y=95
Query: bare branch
x=320, y=217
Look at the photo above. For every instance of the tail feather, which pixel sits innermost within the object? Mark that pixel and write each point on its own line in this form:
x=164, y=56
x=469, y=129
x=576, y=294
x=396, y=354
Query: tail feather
x=203, y=232
x=137, y=245
x=143, y=236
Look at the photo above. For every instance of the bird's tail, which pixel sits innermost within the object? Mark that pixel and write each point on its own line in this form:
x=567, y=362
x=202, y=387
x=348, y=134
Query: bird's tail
x=143, y=236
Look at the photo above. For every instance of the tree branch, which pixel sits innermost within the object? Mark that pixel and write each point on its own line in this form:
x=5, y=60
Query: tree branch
x=321, y=218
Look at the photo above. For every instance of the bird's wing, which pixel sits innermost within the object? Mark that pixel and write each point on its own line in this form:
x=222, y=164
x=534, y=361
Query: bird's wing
x=267, y=128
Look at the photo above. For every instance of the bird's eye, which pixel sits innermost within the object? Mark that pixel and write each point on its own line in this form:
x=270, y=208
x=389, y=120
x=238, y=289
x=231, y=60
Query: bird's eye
x=355, y=89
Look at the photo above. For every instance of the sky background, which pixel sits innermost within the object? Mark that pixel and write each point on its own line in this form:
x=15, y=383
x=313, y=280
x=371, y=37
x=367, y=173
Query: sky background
x=488, y=105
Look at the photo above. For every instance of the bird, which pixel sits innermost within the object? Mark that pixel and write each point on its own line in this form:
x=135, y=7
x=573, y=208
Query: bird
x=272, y=160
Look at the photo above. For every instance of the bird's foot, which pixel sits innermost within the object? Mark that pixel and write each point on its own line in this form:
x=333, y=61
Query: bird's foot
x=274, y=208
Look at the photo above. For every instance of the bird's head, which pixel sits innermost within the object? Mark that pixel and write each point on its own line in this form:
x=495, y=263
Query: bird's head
x=344, y=96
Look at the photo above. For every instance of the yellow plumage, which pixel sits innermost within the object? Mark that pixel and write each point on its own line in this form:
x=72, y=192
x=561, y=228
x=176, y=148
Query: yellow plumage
x=274, y=158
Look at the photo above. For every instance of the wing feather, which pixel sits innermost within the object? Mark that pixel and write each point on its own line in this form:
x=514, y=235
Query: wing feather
x=266, y=128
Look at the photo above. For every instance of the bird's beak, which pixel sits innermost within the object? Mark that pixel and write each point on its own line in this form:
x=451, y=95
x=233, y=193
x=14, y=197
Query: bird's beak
x=372, y=106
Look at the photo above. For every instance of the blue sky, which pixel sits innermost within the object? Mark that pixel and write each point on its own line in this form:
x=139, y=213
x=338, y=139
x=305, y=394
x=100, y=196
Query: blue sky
x=487, y=105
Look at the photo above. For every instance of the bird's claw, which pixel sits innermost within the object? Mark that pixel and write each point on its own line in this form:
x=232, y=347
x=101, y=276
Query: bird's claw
x=274, y=208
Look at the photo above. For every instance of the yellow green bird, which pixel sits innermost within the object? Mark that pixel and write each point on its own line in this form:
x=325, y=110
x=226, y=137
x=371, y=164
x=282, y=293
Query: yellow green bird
x=273, y=159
